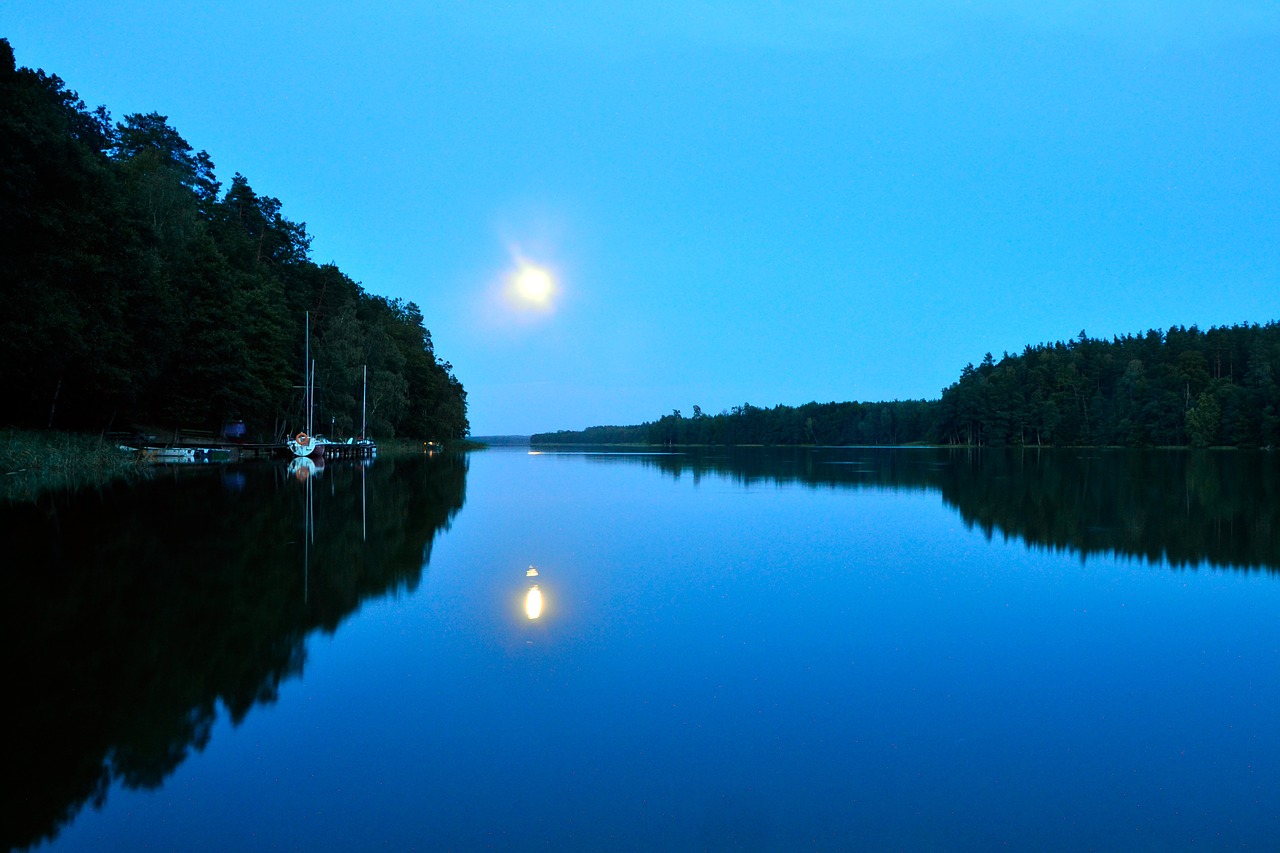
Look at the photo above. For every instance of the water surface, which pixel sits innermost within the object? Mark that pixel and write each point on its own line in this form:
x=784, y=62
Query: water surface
x=792, y=649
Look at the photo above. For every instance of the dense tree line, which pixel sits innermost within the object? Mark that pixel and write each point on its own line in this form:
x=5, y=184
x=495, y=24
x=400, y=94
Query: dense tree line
x=138, y=291
x=1182, y=387
x=898, y=422
x=1175, y=388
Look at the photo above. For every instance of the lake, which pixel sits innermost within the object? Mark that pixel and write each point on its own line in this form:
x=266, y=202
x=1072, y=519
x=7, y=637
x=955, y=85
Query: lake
x=752, y=649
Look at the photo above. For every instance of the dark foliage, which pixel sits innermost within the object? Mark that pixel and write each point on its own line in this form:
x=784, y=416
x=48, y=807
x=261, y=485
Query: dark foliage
x=1181, y=387
x=1176, y=388
x=136, y=291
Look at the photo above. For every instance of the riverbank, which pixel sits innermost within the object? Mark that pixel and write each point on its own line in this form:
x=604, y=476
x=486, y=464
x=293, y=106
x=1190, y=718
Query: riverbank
x=35, y=462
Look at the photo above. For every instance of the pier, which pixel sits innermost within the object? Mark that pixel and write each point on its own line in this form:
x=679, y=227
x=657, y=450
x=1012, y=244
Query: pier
x=207, y=446
x=355, y=450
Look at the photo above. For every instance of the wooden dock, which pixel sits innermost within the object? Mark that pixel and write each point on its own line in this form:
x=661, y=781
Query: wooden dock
x=202, y=449
x=349, y=451
x=199, y=445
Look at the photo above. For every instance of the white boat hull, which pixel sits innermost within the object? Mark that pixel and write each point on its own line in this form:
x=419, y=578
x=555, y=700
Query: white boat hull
x=311, y=447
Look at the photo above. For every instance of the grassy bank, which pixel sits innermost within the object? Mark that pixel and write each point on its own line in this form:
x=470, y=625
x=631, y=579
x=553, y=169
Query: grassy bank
x=36, y=462
x=32, y=463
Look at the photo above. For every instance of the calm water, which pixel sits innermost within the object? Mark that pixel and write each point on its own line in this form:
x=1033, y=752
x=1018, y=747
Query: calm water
x=780, y=650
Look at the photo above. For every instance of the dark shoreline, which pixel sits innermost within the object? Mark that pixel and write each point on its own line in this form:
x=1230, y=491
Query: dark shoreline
x=35, y=462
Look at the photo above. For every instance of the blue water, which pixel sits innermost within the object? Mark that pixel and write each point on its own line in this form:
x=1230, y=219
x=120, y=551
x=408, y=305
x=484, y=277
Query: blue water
x=738, y=663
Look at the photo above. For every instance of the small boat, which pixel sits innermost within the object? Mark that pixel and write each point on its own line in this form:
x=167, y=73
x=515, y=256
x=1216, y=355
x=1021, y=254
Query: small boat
x=305, y=444
x=169, y=454
x=180, y=454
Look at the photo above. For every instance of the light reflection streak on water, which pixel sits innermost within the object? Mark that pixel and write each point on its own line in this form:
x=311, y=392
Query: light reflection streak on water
x=533, y=602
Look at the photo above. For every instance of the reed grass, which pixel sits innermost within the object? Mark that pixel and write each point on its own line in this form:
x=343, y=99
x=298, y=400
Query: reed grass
x=32, y=463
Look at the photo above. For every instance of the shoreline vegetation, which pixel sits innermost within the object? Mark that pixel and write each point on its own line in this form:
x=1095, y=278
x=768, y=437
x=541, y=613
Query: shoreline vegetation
x=1182, y=387
x=33, y=463
x=139, y=290
x=37, y=462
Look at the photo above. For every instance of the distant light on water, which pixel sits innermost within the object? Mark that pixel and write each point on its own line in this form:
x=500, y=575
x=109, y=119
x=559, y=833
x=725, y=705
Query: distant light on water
x=533, y=603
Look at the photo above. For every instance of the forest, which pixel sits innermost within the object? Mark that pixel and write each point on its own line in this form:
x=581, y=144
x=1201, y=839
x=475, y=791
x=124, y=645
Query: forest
x=1176, y=388
x=138, y=291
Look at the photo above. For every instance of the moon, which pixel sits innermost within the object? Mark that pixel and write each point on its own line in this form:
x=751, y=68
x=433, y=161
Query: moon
x=533, y=285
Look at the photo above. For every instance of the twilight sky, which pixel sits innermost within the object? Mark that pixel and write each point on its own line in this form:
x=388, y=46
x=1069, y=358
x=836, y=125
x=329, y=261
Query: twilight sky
x=738, y=200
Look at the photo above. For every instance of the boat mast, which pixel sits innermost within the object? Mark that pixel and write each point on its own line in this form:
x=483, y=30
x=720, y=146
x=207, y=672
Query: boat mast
x=364, y=401
x=312, y=395
x=306, y=373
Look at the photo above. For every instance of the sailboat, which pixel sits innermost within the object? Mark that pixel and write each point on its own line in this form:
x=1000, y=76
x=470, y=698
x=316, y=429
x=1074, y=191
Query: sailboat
x=370, y=449
x=306, y=443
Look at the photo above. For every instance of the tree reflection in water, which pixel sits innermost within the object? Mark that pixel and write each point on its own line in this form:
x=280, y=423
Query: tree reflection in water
x=1174, y=507
x=130, y=614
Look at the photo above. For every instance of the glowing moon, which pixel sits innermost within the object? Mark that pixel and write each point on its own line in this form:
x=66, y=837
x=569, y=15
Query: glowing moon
x=534, y=284
x=531, y=286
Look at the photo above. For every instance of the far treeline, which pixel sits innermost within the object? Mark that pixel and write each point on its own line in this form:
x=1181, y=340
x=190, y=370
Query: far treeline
x=136, y=291
x=1177, y=388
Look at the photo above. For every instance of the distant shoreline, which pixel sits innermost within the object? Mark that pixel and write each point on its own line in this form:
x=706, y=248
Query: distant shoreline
x=500, y=440
x=907, y=446
x=1182, y=387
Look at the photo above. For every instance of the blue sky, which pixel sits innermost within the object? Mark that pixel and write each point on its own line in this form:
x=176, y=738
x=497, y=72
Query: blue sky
x=739, y=201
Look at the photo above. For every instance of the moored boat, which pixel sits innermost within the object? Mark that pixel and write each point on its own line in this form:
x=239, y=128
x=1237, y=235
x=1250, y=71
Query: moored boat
x=304, y=444
x=307, y=445
x=180, y=453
